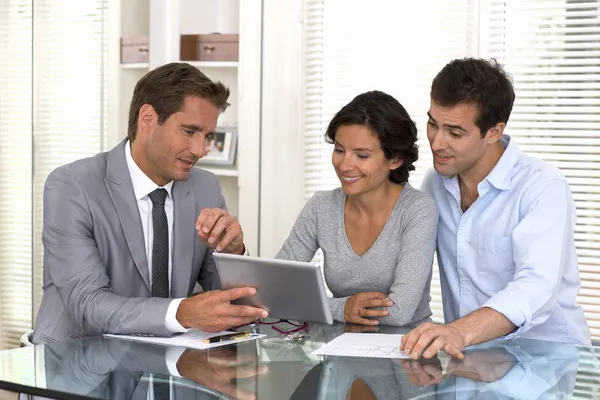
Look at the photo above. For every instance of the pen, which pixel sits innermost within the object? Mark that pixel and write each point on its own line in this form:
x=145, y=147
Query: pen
x=231, y=336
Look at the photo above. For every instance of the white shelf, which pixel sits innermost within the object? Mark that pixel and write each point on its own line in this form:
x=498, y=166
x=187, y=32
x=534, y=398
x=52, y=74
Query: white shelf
x=197, y=64
x=135, y=66
x=213, y=64
x=220, y=171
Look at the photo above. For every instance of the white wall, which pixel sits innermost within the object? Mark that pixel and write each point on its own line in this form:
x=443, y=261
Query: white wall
x=282, y=141
x=249, y=85
x=197, y=16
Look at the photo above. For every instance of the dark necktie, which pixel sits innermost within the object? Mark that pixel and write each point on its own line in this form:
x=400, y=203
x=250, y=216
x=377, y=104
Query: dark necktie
x=160, y=245
x=162, y=388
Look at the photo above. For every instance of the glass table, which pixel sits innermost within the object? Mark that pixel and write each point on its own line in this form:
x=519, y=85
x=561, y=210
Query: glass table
x=279, y=367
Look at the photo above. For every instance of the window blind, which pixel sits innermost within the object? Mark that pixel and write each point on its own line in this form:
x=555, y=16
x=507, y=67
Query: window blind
x=552, y=50
x=398, y=52
x=70, y=83
x=15, y=169
x=52, y=111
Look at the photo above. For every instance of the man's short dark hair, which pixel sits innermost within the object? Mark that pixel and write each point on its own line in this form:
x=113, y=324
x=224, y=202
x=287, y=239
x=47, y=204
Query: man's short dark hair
x=165, y=89
x=387, y=119
x=482, y=83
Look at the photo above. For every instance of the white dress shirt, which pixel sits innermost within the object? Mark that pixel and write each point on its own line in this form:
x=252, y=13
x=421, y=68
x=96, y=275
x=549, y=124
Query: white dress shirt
x=142, y=187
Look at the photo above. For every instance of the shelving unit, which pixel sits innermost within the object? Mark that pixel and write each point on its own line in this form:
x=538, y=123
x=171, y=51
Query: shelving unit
x=213, y=64
x=197, y=64
x=144, y=66
x=163, y=22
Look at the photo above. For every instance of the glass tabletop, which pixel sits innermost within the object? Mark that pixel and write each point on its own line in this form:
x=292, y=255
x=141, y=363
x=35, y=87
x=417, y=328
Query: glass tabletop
x=280, y=367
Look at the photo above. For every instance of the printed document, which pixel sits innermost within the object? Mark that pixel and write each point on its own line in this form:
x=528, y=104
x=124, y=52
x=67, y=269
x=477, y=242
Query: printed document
x=374, y=345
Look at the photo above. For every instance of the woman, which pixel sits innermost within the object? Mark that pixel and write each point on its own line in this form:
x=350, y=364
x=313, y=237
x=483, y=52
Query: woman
x=377, y=232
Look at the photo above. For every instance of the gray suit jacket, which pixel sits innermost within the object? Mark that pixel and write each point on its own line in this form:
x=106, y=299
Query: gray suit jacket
x=96, y=277
x=113, y=369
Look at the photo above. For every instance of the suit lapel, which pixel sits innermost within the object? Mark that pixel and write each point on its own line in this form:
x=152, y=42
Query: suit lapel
x=124, y=383
x=184, y=234
x=141, y=390
x=120, y=189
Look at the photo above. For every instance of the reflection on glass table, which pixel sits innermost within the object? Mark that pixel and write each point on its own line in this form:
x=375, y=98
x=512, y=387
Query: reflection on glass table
x=281, y=366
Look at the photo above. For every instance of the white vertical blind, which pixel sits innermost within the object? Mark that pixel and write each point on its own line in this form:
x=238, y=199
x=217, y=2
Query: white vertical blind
x=15, y=169
x=64, y=93
x=552, y=50
x=399, y=52
x=70, y=67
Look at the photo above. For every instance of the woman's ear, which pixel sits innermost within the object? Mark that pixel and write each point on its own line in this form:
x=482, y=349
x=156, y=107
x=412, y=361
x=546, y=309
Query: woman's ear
x=395, y=163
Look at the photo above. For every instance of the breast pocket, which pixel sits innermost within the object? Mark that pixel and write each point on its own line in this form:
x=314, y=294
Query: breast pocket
x=495, y=265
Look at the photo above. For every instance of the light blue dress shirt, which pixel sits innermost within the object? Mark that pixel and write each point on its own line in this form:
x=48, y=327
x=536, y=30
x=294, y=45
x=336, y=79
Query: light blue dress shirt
x=541, y=370
x=513, y=250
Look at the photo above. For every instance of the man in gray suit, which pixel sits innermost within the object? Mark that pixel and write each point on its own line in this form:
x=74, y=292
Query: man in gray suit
x=128, y=233
x=104, y=368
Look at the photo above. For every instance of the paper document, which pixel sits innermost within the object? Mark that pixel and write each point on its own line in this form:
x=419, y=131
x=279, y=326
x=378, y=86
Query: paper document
x=193, y=339
x=375, y=345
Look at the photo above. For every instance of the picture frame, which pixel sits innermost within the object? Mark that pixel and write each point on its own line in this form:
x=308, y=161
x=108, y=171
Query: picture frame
x=222, y=149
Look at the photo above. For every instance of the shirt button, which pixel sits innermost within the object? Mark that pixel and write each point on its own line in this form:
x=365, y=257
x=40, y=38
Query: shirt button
x=465, y=310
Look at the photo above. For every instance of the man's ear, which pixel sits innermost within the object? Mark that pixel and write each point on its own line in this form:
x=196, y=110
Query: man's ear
x=147, y=117
x=495, y=133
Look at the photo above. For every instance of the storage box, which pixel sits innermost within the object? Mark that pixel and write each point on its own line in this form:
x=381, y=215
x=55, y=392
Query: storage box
x=134, y=49
x=213, y=47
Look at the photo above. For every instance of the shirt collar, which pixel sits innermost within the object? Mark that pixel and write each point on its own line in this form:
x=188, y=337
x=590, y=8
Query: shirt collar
x=142, y=184
x=500, y=175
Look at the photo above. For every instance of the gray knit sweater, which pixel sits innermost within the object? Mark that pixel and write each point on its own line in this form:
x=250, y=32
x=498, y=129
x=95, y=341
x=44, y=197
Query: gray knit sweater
x=399, y=262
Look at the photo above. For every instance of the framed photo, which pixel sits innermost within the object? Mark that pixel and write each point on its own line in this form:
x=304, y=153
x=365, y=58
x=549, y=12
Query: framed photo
x=221, y=150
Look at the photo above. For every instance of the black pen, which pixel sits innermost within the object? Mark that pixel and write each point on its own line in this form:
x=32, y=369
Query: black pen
x=230, y=336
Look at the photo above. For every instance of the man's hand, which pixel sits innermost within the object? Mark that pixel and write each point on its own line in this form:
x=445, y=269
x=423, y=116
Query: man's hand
x=427, y=339
x=216, y=368
x=357, y=308
x=212, y=311
x=218, y=230
x=424, y=372
x=482, y=365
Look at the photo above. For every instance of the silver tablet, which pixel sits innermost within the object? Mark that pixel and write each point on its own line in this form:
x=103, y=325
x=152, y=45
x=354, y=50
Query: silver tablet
x=286, y=289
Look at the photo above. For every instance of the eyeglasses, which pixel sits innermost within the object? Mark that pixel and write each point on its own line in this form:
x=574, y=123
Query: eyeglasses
x=296, y=326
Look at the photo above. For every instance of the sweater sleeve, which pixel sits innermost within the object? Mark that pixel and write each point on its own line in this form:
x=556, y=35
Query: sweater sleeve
x=303, y=242
x=415, y=263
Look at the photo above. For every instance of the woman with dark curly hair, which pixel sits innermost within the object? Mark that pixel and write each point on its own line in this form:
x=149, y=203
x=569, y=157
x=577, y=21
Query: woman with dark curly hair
x=376, y=231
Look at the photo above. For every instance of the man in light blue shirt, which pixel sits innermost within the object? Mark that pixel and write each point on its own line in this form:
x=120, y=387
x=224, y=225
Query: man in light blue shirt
x=503, y=369
x=506, y=248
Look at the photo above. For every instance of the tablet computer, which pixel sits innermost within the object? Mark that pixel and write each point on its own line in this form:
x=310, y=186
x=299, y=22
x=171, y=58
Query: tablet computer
x=291, y=290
